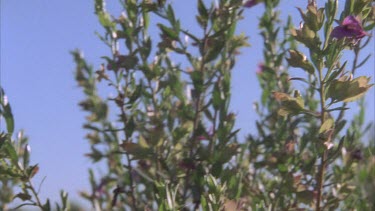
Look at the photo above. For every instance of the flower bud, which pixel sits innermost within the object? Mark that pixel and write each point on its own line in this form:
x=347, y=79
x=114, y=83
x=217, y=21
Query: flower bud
x=297, y=59
x=314, y=18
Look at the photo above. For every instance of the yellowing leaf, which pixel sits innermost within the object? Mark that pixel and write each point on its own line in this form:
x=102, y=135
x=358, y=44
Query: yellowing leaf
x=137, y=150
x=289, y=104
x=358, y=88
x=283, y=112
x=327, y=125
x=280, y=96
x=298, y=59
x=143, y=142
x=349, y=90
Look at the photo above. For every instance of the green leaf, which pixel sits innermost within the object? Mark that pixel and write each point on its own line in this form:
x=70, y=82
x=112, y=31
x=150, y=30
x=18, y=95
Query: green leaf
x=142, y=142
x=127, y=62
x=202, y=10
x=26, y=156
x=11, y=152
x=136, y=94
x=136, y=150
x=11, y=171
x=47, y=206
x=23, y=196
x=146, y=19
x=340, y=125
x=3, y=139
x=64, y=200
x=204, y=203
x=305, y=197
x=170, y=197
x=100, y=112
x=217, y=97
x=336, y=73
x=147, y=46
x=327, y=125
x=282, y=167
x=170, y=14
x=99, y=6
x=217, y=168
x=211, y=182
x=214, y=49
x=169, y=32
x=314, y=18
x=105, y=20
x=6, y=113
x=197, y=79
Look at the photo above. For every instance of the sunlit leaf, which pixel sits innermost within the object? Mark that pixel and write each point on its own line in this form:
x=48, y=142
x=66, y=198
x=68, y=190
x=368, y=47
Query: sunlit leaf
x=289, y=105
x=298, y=59
x=327, y=125
x=348, y=90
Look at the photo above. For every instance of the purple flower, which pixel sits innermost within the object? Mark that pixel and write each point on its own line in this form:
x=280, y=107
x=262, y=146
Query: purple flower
x=349, y=28
x=261, y=68
x=251, y=3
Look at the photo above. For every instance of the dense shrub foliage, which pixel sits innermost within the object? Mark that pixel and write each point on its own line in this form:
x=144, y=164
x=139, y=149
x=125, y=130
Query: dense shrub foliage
x=166, y=134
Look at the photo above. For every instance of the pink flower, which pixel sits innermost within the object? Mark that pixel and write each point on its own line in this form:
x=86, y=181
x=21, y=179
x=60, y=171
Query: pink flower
x=206, y=136
x=350, y=28
x=260, y=68
x=251, y=3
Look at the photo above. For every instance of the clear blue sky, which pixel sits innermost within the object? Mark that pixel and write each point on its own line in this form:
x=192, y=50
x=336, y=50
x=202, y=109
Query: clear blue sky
x=37, y=75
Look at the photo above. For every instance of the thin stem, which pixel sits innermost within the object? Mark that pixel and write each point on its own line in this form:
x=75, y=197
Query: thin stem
x=124, y=119
x=198, y=102
x=35, y=193
x=129, y=165
x=356, y=56
x=21, y=205
x=320, y=177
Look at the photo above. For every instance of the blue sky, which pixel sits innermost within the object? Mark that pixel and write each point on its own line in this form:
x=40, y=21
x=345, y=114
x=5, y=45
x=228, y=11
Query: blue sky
x=37, y=73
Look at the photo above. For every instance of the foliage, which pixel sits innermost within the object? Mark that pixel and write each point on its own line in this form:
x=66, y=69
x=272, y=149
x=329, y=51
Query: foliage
x=173, y=140
x=16, y=172
x=171, y=127
x=167, y=138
